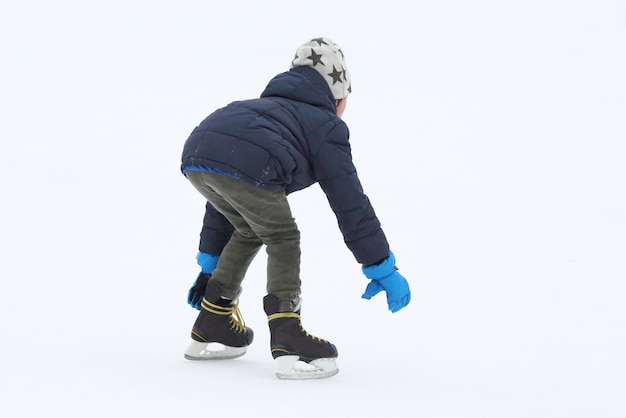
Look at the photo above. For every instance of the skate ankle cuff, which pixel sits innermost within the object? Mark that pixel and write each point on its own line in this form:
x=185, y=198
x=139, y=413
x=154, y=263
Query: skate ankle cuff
x=283, y=315
x=236, y=319
x=216, y=309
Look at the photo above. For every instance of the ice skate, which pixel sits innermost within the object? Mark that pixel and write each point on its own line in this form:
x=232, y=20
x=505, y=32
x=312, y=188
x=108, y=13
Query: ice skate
x=297, y=354
x=219, y=331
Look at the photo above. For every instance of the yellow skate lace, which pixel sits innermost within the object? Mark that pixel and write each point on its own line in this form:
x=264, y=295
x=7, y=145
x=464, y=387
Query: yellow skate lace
x=236, y=319
x=293, y=315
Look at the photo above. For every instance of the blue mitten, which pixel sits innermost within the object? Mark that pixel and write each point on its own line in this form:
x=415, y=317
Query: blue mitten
x=207, y=262
x=385, y=276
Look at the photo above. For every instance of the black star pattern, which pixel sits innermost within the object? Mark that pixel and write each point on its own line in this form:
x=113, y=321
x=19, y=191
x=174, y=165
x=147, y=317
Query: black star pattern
x=343, y=70
x=320, y=41
x=316, y=58
x=350, y=88
x=336, y=75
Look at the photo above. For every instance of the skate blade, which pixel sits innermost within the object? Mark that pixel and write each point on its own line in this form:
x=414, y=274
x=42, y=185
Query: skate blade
x=212, y=351
x=291, y=368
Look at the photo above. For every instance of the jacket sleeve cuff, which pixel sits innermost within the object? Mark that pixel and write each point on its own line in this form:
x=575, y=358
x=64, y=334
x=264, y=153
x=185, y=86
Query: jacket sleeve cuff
x=384, y=269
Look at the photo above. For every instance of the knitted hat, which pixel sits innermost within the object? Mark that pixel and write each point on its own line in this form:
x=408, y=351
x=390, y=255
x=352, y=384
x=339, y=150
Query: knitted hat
x=326, y=57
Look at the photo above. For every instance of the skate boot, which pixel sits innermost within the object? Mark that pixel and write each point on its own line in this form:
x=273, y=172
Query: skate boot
x=298, y=354
x=219, y=331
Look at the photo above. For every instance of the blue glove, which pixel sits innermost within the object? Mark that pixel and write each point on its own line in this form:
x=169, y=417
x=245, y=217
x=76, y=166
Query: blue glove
x=385, y=276
x=207, y=262
x=196, y=293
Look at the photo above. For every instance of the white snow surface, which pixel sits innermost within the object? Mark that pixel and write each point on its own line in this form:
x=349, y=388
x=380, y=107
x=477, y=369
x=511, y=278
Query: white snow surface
x=490, y=137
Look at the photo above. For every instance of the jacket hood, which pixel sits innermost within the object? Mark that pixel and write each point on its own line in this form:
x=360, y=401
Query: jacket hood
x=302, y=84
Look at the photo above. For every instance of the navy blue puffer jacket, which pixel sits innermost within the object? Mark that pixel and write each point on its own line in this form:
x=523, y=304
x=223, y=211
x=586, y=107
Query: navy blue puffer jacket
x=288, y=139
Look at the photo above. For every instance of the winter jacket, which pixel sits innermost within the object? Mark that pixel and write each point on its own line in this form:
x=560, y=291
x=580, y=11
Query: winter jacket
x=289, y=139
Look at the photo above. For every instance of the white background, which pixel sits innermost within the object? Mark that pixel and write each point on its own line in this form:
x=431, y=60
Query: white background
x=489, y=135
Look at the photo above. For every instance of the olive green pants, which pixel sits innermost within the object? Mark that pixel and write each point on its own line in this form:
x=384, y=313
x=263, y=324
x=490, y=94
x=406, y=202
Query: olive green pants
x=260, y=217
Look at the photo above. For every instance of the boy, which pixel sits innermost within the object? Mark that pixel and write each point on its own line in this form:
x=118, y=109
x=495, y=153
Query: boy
x=244, y=159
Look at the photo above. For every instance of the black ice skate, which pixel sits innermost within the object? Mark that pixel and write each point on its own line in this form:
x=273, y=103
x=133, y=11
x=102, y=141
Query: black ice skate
x=219, y=331
x=298, y=354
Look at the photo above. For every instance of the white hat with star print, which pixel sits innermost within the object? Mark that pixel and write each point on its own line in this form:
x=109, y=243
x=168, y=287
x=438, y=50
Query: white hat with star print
x=326, y=57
